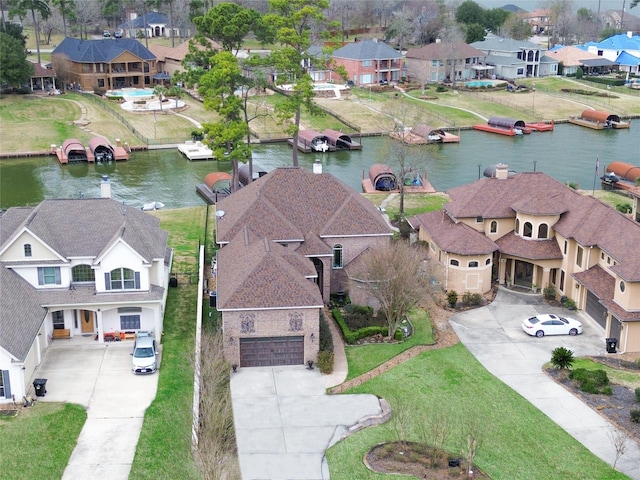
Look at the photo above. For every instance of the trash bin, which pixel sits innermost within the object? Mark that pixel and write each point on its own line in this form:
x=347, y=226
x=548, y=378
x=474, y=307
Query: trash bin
x=213, y=297
x=612, y=343
x=173, y=281
x=39, y=386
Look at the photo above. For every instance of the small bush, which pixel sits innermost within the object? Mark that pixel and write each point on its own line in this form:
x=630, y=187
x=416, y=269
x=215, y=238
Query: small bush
x=452, y=298
x=591, y=381
x=637, y=394
x=635, y=416
x=325, y=361
x=549, y=293
x=562, y=358
x=569, y=304
x=623, y=207
x=441, y=88
x=326, y=340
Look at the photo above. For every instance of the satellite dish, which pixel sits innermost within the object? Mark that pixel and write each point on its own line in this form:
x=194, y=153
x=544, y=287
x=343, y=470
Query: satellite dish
x=219, y=213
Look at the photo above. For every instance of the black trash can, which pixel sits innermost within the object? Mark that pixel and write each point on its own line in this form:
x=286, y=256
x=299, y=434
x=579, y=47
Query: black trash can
x=39, y=386
x=612, y=344
x=213, y=297
x=173, y=281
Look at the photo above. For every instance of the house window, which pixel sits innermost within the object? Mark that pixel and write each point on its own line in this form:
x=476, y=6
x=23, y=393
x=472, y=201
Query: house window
x=473, y=264
x=517, y=226
x=122, y=279
x=622, y=286
x=27, y=250
x=478, y=219
x=101, y=82
x=608, y=260
x=58, y=320
x=543, y=230
x=432, y=246
x=494, y=227
x=521, y=71
x=366, y=63
x=487, y=261
x=565, y=247
x=579, y=257
x=5, y=384
x=337, y=256
x=83, y=274
x=527, y=230
x=554, y=275
x=130, y=322
x=561, y=286
x=434, y=63
x=49, y=276
x=454, y=262
x=601, y=255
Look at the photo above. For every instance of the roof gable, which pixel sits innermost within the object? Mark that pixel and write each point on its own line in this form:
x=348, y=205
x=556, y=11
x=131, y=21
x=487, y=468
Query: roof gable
x=367, y=50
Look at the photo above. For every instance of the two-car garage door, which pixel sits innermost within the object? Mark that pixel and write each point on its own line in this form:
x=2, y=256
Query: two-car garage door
x=271, y=351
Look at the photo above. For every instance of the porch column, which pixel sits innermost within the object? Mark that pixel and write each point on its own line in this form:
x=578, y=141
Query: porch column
x=546, y=271
x=502, y=270
x=100, y=327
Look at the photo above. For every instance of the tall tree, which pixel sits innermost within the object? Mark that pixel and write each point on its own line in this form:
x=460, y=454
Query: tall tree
x=21, y=7
x=470, y=12
x=228, y=24
x=292, y=24
x=15, y=70
x=67, y=9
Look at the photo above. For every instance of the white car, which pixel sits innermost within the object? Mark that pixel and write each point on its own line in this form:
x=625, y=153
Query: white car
x=542, y=325
x=145, y=356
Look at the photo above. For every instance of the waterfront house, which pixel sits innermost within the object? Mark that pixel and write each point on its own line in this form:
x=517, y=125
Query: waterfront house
x=438, y=61
x=369, y=62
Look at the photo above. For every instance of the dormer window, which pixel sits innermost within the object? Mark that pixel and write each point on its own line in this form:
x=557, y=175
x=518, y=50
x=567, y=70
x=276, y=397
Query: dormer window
x=527, y=230
x=122, y=279
x=543, y=231
x=83, y=274
x=27, y=250
x=479, y=219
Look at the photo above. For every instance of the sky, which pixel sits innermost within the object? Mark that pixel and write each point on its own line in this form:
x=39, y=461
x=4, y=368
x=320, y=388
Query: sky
x=531, y=5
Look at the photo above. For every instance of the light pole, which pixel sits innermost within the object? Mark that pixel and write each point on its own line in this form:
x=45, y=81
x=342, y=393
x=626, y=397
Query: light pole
x=533, y=99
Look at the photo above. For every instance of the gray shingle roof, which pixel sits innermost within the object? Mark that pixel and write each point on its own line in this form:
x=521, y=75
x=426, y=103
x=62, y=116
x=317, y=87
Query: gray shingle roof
x=149, y=18
x=443, y=50
x=99, y=51
x=86, y=227
x=367, y=50
x=502, y=44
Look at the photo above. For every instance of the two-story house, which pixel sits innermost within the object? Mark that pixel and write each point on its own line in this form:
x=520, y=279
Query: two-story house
x=622, y=49
x=513, y=59
x=532, y=231
x=103, y=64
x=369, y=62
x=440, y=61
x=78, y=267
x=286, y=240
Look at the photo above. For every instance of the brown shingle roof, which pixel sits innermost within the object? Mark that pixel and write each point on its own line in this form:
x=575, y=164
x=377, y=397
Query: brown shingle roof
x=512, y=244
x=452, y=237
x=600, y=283
x=442, y=50
x=571, y=56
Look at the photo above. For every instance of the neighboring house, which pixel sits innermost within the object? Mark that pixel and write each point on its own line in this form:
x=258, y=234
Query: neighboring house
x=515, y=58
x=170, y=58
x=43, y=79
x=540, y=20
x=370, y=62
x=76, y=267
x=534, y=232
x=316, y=65
x=620, y=20
x=623, y=49
x=437, y=61
x=286, y=239
x=103, y=64
x=151, y=24
x=573, y=58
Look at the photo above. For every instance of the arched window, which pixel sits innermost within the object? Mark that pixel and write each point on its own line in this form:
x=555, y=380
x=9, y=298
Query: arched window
x=27, y=250
x=122, y=279
x=473, y=264
x=494, y=226
x=527, y=229
x=337, y=256
x=517, y=227
x=83, y=273
x=454, y=263
x=543, y=230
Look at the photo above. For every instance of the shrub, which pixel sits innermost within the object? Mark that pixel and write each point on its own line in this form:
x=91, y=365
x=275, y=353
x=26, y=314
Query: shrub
x=562, y=358
x=441, y=88
x=359, y=316
x=352, y=337
x=623, y=207
x=569, y=304
x=637, y=394
x=325, y=361
x=326, y=340
x=591, y=381
x=573, y=185
x=469, y=298
x=452, y=298
x=549, y=293
x=635, y=416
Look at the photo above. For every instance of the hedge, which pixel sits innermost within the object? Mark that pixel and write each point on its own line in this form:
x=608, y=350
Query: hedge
x=352, y=337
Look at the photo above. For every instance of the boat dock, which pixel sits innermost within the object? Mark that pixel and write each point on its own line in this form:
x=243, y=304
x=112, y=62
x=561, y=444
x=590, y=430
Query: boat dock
x=195, y=150
x=599, y=120
x=99, y=150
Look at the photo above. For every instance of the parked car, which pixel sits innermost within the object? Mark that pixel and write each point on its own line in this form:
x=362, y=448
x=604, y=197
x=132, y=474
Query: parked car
x=106, y=34
x=542, y=325
x=117, y=34
x=144, y=355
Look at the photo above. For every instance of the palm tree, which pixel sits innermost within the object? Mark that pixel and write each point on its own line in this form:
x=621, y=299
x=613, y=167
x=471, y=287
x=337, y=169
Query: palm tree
x=21, y=7
x=160, y=91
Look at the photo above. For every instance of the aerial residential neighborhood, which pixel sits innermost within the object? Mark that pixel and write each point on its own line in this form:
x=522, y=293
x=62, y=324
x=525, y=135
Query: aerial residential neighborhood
x=237, y=240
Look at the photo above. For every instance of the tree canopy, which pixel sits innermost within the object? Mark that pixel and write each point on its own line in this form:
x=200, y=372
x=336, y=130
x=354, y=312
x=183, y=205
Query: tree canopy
x=228, y=24
x=15, y=70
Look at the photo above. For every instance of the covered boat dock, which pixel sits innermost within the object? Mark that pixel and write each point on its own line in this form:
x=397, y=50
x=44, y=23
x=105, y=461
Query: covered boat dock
x=621, y=176
x=423, y=135
x=73, y=150
x=341, y=141
x=312, y=141
x=599, y=120
x=382, y=179
x=216, y=186
x=103, y=151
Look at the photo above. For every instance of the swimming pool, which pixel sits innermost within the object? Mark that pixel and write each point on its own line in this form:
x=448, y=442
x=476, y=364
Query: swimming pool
x=480, y=83
x=131, y=92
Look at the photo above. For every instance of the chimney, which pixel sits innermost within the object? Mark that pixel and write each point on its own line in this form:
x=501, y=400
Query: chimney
x=629, y=34
x=502, y=171
x=105, y=187
x=317, y=166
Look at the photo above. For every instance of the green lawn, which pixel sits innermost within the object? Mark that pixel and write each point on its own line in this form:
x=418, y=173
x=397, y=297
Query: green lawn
x=38, y=442
x=517, y=441
x=363, y=358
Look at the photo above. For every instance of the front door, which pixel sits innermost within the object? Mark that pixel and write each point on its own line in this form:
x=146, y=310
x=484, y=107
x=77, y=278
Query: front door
x=524, y=274
x=86, y=321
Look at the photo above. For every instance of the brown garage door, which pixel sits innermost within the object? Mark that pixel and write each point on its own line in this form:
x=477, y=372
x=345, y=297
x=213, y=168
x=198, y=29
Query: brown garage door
x=596, y=309
x=271, y=351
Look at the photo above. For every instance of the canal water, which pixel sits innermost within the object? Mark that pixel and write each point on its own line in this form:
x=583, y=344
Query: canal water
x=568, y=154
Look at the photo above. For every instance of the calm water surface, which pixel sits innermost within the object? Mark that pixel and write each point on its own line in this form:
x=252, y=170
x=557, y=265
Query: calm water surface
x=568, y=154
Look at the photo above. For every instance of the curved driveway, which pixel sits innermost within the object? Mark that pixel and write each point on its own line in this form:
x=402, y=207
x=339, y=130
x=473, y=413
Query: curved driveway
x=493, y=334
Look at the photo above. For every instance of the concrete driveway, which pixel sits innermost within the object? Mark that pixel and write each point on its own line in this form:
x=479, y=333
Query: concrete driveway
x=99, y=378
x=285, y=421
x=493, y=334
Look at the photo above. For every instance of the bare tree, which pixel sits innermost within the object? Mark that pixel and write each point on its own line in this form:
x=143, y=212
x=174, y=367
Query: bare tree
x=472, y=444
x=391, y=275
x=620, y=440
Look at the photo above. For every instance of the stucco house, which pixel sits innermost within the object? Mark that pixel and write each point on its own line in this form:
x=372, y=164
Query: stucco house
x=151, y=24
x=516, y=58
x=103, y=64
x=573, y=57
x=438, y=61
x=532, y=231
x=370, y=62
x=285, y=241
x=76, y=267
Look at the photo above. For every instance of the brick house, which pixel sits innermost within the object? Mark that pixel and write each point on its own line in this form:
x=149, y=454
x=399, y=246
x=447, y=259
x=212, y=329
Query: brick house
x=437, y=61
x=103, y=64
x=286, y=240
x=79, y=267
x=534, y=232
x=170, y=58
x=370, y=62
